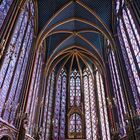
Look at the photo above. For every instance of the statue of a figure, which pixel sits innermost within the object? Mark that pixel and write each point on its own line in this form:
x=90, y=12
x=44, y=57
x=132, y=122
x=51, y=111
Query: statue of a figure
x=23, y=127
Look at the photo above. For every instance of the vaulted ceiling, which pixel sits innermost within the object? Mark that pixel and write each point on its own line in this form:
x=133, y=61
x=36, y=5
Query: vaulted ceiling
x=66, y=23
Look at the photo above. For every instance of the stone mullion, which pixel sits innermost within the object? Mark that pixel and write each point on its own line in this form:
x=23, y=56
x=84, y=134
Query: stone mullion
x=29, y=45
x=135, y=18
x=119, y=103
x=113, y=81
x=110, y=90
x=9, y=18
x=34, y=101
x=21, y=98
x=103, y=106
x=16, y=65
x=46, y=83
x=133, y=5
x=97, y=104
x=82, y=99
x=88, y=99
x=61, y=90
x=132, y=27
x=7, y=31
x=13, y=51
x=36, y=71
x=135, y=62
x=39, y=94
x=124, y=83
x=74, y=104
x=130, y=45
x=36, y=86
x=117, y=83
x=23, y=61
x=24, y=95
x=46, y=91
x=124, y=69
x=28, y=76
x=50, y=80
x=90, y=105
x=53, y=105
x=67, y=103
x=108, y=86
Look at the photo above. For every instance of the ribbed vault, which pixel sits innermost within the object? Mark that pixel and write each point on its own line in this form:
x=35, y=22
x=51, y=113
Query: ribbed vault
x=76, y=23
x=75, y=57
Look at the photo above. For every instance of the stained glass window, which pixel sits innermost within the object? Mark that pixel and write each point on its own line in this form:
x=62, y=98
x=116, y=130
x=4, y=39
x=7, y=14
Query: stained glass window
x=90, y=106
x=60, y=107
x=33, y=94
x=72, y=89
x=63, y=107
x=102, y=108
x=4, y=8
x=75, y=89
x=130, y=41
x=118, y=93
x=15, y=62
x=48, y=107
x=75, y=125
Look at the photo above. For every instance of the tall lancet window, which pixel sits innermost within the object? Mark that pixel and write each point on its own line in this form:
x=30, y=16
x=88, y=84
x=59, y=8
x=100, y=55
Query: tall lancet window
x=33, y=92
x=105, y=134
x=75, y=89
x=118, y=93
x=15, y=61
x=130, y=41
x=46, y=133
x=91, y=118
x=4, y=8
x=60, y=107
x=75, y=118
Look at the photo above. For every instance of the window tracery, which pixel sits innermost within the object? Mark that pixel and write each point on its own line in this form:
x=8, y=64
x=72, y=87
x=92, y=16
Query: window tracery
x=74, y=114
x=129, y=42
x=118, y=94
x=90, y=106
x=102, y=107
x=15, y=62
x=48, y=107
x=75, y=124
x=4, y=8
x=75, y=89
x=60, y=107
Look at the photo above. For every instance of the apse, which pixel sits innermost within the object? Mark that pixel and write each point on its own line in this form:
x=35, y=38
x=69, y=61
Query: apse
x=79, y=104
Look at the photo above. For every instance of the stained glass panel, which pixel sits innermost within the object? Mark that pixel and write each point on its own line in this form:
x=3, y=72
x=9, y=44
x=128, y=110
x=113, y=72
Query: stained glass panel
x=102, y=108
x=90, y=106
x=75, y=89
x=60, y=107
x=4, y=8
x=15, y=61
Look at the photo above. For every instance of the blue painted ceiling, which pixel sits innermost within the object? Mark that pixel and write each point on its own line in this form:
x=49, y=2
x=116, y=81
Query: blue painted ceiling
x=47, y=8
x=77, y=12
